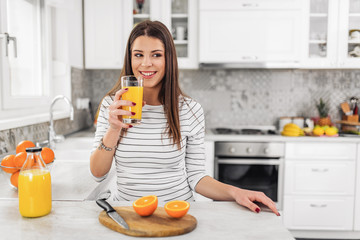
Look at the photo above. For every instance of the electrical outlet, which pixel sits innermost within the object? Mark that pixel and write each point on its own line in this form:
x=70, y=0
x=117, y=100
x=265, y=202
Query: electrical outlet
x=82, y=103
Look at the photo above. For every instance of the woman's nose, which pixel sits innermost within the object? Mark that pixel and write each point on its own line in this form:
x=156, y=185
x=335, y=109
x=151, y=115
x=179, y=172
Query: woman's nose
x=146, y=62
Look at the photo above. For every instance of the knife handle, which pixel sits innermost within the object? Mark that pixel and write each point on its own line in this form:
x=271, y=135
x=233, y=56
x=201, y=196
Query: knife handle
x=105, y=205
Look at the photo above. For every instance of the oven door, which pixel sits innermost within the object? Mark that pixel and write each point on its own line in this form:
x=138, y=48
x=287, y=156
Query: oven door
x=262, y=175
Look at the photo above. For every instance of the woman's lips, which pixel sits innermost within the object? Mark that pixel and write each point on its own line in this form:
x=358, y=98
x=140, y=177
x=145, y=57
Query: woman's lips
x=148, y=74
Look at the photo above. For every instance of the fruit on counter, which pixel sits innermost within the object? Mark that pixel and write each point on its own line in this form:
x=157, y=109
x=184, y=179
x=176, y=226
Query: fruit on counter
x=307, y=131
x=14, y=179
x=318, y=131
x=177, y=208
x=23, y=145
x=47, y=155
x=323, y=110
x=19, y=159
x=145, y=206
x=331, y=131
x=8, y=164
x=292, y=130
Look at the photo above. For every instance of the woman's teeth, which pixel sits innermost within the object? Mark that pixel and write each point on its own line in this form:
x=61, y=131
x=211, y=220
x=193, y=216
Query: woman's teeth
x=148, y=74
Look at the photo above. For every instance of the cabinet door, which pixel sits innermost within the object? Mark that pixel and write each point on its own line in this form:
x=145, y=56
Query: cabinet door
x=357, y=193
x=320, y=151
x=249, y=36
x=318, y=213
x=349, y=42
x=319, y=177
x=320, y=34
x=104, y=40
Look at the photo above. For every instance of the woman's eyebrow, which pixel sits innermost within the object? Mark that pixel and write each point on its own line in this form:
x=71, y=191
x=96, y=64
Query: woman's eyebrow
x=157, y=50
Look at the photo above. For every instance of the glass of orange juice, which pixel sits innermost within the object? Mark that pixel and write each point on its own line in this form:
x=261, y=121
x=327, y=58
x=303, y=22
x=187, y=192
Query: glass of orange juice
x=134, y=94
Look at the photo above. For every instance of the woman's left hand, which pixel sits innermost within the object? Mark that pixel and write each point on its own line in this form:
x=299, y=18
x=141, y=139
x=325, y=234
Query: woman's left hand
x=247, y=198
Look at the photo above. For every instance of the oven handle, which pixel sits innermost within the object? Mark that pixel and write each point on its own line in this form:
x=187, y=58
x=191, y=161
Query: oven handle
x=248, y=161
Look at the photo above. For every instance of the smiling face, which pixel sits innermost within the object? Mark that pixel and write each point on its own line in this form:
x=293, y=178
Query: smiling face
x=148, y=60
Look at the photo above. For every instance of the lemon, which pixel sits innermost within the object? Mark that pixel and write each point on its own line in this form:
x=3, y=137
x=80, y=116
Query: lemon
x=331, y=131
x=318, y=131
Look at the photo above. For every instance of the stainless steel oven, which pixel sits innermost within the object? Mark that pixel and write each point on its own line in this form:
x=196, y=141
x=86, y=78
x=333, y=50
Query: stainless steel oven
x=252, y=165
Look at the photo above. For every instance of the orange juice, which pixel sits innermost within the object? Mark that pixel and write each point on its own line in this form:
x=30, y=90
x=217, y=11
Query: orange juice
x=134, y=94
x=34, y=192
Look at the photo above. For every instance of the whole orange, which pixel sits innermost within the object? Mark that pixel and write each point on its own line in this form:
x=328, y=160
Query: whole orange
x=14, y=179
x=8, y=164
x=19, y=159
x=47, y=155
x=23, y=145
x=145, y=206
x=177, y=208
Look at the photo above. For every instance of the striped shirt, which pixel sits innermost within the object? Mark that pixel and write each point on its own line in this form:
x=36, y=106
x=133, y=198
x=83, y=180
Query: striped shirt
x=146, y=161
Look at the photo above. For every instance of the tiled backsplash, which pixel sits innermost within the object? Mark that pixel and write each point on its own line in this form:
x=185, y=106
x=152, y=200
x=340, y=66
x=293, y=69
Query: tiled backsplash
x=254, y=96
x=229, y=97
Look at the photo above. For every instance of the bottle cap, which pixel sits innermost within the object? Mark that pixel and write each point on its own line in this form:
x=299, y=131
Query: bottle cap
x=33, y=149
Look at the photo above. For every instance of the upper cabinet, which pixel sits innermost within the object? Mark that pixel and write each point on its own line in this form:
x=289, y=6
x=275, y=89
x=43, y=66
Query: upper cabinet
x=262, y=33
x=108, y=25
x=331, y=34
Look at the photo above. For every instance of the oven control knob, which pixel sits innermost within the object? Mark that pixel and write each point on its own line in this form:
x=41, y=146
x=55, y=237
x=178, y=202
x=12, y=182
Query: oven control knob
x=232, y=150
x=249, y=150
x=266, y=150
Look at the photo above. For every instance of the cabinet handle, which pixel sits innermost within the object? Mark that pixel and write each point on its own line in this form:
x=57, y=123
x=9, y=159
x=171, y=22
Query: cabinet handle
x=318, y=205
x=249, y=57
x=319, y=170
x=250, y=5
x=8, y=38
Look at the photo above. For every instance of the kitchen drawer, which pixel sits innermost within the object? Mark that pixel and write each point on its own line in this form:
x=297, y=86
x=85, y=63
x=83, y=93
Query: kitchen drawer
x=320, y=177
x=321, y=150
x=249, y=4
x=318, y=213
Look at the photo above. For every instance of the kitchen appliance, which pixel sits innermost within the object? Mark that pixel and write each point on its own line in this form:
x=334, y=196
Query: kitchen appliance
x=252, y=165
x=246, y=130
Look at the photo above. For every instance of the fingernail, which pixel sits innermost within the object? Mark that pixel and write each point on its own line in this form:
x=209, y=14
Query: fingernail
x=134, y=104
x=278, y=214
x=130, y=126
x=257, y=210
x=132, y=113
x=126, y=89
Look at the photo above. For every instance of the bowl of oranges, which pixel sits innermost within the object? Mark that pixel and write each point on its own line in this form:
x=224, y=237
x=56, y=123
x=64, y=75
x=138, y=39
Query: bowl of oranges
x=11, y=164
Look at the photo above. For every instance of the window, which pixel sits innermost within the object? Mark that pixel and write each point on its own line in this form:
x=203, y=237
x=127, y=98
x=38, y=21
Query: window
x=24, y=63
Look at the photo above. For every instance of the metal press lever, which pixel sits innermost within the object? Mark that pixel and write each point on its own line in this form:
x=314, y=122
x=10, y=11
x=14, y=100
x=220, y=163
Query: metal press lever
x=8, y=38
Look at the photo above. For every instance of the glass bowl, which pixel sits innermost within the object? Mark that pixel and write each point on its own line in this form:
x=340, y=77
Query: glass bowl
x=6, y=174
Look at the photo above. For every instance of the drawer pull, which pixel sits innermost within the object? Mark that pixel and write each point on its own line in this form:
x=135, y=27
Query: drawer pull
x=319, y=170
x=318, y=205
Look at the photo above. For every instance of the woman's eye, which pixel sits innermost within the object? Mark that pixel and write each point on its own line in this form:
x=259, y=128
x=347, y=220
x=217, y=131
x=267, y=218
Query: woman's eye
x=157, y=55
x=137, y=55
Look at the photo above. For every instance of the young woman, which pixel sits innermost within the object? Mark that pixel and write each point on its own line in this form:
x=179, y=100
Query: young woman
x=164, y=155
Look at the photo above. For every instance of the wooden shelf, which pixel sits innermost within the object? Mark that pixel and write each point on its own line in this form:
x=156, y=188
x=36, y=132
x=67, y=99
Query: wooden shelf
x=349, y=123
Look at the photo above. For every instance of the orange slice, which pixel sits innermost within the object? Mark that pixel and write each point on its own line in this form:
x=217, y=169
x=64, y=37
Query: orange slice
x=145, y=206
x=177, y=208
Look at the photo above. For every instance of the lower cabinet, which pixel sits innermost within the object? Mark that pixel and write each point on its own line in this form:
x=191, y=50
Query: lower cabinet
x=319, y=189
x=318, y=213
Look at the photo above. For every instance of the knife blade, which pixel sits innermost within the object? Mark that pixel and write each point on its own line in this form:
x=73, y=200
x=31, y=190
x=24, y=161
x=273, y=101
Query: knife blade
x=110, y=211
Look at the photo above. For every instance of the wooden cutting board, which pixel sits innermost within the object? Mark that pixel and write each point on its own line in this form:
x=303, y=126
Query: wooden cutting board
x=159, y=224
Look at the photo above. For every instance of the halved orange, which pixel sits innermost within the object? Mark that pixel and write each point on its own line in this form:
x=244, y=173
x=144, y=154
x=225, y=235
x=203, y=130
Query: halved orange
x=177, y=208
x=145, y=206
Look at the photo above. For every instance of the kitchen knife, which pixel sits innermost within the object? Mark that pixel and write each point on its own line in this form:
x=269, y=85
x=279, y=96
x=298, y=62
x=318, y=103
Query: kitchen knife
x=112, y=213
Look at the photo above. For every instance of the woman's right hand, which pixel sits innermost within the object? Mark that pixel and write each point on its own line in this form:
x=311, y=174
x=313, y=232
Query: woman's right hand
x=116, y=112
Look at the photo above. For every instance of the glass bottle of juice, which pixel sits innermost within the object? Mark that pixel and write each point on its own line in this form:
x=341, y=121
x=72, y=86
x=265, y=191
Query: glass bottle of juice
x=34, y=185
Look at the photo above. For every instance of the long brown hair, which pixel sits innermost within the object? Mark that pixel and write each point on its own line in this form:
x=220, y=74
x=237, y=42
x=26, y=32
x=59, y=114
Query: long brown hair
x=170, y=90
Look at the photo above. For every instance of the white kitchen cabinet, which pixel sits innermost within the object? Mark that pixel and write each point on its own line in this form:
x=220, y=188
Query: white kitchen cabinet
x=357, y=193
x=109, y=23
x=326, y=38
x=231, y=32
x=319, y=183
x=105, y=38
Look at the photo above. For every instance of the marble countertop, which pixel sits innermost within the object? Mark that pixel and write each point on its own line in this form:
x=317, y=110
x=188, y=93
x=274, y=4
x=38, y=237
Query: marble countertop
x=79, y=220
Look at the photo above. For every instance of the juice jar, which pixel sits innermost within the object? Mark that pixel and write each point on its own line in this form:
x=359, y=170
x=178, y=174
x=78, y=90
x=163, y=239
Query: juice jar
x=34, y=185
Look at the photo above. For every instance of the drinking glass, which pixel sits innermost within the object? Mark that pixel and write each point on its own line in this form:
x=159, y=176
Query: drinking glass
x=135, y=94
